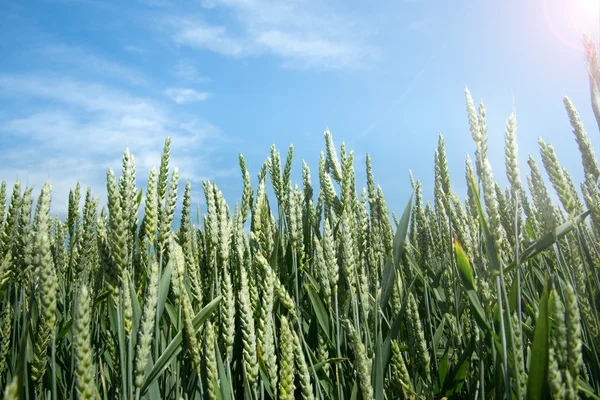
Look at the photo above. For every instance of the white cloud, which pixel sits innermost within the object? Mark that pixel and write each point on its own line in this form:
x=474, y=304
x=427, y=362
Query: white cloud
x=186, y=70
x=302, y=33
x=199, y=35
x=134, y=49
x=74, y=131
x=312, y=51
x=185, y=95
x=90, y=62
x=89, y=96
x=155, y=3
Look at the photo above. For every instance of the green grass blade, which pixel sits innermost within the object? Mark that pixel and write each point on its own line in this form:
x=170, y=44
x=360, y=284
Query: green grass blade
x=389, y=272
x=174, y=347
x=223, y=378
x=378, y=368
x=464, y=267
x=165, y=283
x=264, y=375
x=444, y=366
x=321, y=364
x=401, y=231
x=395, y=329
x=585, y=387
x=137, y=312
x=548, y=240
x=538, y=367
x=478, y=311
x=320, y=311
x=21, y=369
x=66, y=327
x=490, y=244
x=455, y=379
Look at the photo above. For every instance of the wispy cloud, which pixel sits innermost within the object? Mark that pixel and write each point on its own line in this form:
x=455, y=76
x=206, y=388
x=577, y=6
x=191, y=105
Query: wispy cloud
x=155, y=3
x=311, y=51
x=88, y=96
x=185, y=70
x=420, y=25
x=134, y=49
x=200, y=35
x=92, y=63
x=301, y=33
x=75, y=130
x=185, y=95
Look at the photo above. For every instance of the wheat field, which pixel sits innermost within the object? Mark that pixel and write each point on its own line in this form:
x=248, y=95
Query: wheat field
x=315, y=293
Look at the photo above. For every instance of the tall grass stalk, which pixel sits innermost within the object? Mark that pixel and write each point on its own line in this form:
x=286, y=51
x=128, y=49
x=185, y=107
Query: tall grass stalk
x=310, y=293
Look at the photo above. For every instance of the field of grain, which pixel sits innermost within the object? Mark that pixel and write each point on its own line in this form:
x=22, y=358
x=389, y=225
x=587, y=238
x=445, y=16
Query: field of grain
x=315, y=293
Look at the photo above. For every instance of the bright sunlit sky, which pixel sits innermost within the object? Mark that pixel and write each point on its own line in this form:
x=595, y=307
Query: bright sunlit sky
x=82, y=80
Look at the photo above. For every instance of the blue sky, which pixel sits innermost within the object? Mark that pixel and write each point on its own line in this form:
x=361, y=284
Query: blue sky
x=82, y=80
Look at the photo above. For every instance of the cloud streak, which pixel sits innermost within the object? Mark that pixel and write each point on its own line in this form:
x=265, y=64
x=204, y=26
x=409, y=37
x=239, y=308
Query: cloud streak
x=296, y=32
x=186, y=71
x=200, y=35
x=185, y=95
x=92, y=63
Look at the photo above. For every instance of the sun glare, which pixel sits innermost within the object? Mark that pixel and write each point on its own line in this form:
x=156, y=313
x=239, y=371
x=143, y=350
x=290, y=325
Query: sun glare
x=569, y=20
x=585, y=12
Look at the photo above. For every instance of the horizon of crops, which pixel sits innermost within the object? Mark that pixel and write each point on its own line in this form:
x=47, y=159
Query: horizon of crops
x=315, y=293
